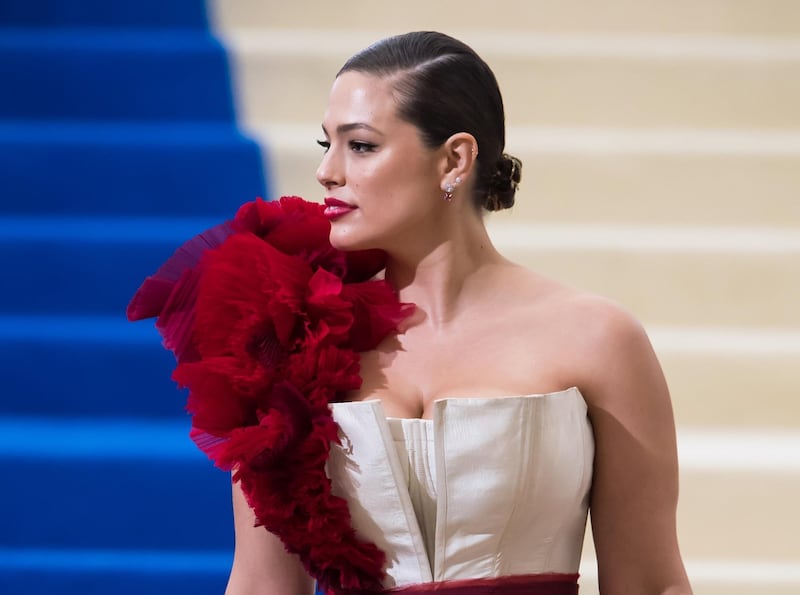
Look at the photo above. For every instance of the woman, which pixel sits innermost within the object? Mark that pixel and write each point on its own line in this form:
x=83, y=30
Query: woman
x=471, y=447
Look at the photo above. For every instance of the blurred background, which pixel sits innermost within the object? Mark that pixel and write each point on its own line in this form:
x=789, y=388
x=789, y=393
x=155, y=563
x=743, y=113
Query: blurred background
x=661, y=151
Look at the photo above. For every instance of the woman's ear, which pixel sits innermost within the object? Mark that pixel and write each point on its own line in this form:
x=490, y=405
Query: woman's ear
x=461, y=152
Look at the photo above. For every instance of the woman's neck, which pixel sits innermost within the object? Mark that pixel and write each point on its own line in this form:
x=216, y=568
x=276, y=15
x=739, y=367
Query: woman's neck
x=441, y=279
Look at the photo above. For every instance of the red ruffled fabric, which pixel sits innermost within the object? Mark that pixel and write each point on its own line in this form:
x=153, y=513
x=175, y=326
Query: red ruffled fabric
x=266, y=320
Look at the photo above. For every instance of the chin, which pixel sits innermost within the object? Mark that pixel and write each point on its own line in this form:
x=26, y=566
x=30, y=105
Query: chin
x=343, y=239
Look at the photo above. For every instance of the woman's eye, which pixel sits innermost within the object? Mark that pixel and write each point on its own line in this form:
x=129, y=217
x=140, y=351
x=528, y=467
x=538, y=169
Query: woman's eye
x=359, y=147
x=324, y=144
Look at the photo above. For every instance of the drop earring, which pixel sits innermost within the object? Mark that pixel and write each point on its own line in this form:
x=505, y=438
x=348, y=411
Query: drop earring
x=448, y=192
x=449, y=187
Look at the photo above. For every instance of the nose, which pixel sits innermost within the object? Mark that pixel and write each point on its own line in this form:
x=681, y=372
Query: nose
x=329, y=172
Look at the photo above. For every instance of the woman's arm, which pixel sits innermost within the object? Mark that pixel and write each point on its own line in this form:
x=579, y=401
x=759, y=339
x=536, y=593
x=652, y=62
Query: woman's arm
x=635, y=488
x=261, y=565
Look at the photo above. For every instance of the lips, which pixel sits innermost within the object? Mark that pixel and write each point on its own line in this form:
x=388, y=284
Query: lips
x=335, y=208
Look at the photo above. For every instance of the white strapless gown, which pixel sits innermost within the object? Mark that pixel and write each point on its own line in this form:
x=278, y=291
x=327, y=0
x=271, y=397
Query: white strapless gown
x=489, y=487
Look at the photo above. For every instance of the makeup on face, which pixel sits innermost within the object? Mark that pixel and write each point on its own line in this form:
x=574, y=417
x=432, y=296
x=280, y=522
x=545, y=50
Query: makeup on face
x=335, y=208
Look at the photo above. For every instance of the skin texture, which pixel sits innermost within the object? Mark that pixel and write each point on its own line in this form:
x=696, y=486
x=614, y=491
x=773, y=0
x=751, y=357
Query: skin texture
x=487, y=327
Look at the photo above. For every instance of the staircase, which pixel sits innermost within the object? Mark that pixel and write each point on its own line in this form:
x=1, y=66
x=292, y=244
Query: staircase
x=661, y=151
x=117, y=142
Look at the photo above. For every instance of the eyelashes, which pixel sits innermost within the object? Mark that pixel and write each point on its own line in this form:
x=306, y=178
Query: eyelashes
x=354, y=145
x=361, y=147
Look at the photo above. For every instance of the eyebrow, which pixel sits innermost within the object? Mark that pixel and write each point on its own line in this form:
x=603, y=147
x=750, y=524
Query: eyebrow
x=342, y=128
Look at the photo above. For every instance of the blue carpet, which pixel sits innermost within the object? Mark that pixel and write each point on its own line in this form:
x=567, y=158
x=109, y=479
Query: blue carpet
x=93, y=367
x=89, y=266
x=108, y=484
x=112, y=75
x=158, y=572
x=174, y=14
x=118, y=141
x=50, y=168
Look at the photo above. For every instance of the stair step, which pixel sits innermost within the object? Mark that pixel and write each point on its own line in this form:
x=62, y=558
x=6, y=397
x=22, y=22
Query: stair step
x=733, y=177
x=612, y=176
x=86, y=366
x=113, y=439
x=737, y=17
x=551, y=80
x=101, y=13
x=708, y=505
x=729, y=379
x=122, y=572
x=745, y=476
x=101, y=230
x=669, y=276
x=127, y=169
x=86, y=266
x=123, y=481
x=717, y=576
x=99, y=74
x=87, y=560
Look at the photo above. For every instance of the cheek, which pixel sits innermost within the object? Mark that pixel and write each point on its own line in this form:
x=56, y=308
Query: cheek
x=373, y=188
x=371, y=180
x=393, y=190
x=384, y=172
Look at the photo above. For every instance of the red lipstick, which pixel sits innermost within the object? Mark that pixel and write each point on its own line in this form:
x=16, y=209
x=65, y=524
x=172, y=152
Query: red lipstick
x=335, y=208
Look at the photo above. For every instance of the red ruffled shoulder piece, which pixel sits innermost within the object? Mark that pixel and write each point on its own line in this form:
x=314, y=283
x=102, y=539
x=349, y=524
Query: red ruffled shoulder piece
x=267, y=320
x=170, y=294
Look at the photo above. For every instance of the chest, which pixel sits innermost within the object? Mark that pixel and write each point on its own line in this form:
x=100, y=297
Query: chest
x=410, y=371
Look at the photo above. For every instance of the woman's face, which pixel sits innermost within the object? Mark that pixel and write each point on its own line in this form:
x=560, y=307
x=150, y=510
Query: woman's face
x=381, y=183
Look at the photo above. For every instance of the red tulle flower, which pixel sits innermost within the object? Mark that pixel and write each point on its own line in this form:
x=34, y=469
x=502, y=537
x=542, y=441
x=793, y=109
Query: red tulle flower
x=266, y=320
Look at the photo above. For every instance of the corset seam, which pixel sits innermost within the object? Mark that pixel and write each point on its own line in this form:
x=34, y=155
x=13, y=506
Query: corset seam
x=520, y=488
x=393, y=459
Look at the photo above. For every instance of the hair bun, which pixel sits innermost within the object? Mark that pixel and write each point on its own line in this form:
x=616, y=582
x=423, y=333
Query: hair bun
x=504, y=183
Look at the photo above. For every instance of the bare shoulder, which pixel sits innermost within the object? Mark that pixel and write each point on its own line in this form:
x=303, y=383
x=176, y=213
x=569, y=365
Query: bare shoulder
x=602, y=327
x=618, y=362
x=604, y=344
x=593, y=319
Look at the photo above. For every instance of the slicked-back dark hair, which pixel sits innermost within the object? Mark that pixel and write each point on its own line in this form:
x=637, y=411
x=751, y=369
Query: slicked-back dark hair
x=443, y=87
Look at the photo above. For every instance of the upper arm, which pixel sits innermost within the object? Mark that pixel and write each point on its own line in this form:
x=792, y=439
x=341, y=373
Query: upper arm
x=635, y=487
x=261, y=565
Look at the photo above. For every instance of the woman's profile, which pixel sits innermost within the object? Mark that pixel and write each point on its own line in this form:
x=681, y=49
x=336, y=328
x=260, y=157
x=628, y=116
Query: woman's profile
x=508, y=405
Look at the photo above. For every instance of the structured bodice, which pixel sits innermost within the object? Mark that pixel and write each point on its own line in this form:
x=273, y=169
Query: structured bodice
x=488, y=487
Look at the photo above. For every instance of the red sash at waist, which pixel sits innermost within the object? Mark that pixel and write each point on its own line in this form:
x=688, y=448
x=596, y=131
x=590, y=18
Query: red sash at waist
x=528, y=584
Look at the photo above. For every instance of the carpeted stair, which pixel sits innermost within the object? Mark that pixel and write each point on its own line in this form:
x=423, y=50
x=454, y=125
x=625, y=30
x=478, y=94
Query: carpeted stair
x=117, y=142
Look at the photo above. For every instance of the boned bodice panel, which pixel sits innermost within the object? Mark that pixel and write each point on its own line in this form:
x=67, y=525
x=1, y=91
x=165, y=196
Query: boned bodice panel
x=489, y=487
